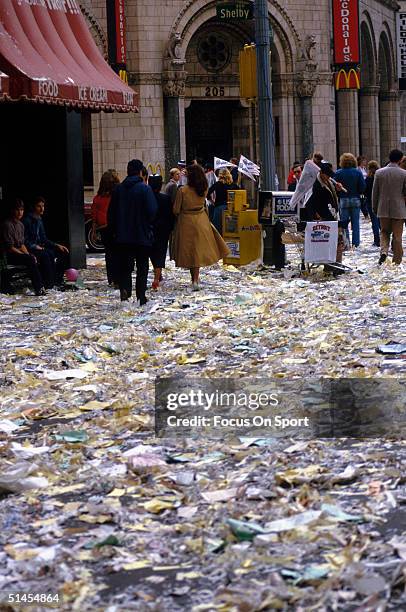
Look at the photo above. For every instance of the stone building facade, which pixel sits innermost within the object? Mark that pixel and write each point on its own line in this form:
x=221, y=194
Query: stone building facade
x=184, y=64
x=402, y=71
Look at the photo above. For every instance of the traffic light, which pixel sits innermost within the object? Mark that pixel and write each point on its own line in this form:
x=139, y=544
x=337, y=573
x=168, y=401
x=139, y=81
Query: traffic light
x=248, y=72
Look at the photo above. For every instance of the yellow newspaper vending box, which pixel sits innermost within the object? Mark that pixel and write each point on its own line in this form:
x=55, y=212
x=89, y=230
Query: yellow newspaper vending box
x=241, y=230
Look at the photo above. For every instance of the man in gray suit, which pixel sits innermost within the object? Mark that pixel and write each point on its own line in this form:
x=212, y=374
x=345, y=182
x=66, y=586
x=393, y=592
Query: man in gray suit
x=388, y=203
x=172, y=186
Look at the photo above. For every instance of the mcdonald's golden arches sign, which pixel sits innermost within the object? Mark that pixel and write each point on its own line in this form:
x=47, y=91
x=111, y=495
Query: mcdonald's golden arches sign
x=347, y=79
x=123, y=75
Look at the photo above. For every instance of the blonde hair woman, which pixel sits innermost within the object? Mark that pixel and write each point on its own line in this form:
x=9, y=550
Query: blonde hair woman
x=348, y=160
x=225, y=176
x=219, y=191
x=350, y=200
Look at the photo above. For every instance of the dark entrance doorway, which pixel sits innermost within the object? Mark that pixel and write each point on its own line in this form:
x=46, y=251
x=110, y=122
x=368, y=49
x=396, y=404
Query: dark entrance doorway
x=42, y=155
x=209, y=129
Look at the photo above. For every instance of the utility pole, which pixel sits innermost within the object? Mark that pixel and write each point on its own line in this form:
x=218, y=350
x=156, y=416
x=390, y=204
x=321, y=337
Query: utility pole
x=273, y=251
x=265, y=118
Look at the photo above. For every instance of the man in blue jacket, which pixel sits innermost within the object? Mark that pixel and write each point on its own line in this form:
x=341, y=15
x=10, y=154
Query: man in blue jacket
x=130, y=219
x=52, y=257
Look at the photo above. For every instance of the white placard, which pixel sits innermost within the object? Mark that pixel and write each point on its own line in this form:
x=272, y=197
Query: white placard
x=321, y=238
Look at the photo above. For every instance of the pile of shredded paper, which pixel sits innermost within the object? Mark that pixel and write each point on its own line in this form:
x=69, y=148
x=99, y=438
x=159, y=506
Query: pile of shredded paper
x=96, y=510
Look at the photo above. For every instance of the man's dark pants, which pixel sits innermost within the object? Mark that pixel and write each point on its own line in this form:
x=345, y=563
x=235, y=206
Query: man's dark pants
x=125, y=256
x=46, y=262
x=376, y=226
x=52, y=263
x=108, y=243
x=17, y=259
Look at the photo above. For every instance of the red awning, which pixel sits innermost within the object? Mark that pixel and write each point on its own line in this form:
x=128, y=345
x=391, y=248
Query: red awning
x=4, y=85
x=50, y=55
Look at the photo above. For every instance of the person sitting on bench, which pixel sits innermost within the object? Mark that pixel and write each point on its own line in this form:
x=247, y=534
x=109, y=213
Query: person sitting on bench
x=12, y=244
x=51, y=256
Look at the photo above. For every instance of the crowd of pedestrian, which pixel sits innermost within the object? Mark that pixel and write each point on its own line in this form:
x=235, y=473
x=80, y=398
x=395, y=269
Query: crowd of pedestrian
x=358, y=185
x=138, y=218
x=141, y=220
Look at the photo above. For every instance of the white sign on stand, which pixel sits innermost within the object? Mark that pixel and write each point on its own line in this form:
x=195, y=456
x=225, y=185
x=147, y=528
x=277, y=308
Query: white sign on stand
x=321, y=238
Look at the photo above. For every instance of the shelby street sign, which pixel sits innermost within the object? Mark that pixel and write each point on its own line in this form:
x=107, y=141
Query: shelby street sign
x=232, y=11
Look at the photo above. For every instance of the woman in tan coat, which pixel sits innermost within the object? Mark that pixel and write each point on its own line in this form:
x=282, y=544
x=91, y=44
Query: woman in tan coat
x=196, y=243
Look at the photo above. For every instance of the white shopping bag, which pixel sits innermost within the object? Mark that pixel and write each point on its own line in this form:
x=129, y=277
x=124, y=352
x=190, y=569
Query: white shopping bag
x=321, y=239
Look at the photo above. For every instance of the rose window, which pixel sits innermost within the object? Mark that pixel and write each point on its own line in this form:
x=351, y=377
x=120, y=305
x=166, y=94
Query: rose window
x=213, y=52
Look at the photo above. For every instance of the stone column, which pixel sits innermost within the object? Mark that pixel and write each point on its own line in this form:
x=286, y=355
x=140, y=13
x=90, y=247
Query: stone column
x=305, y=91
x=369, y=118
x=173, y=89
x=389, y=118
x=173, y=84
x=288, y=150
x=306, y=83
x=348, y=124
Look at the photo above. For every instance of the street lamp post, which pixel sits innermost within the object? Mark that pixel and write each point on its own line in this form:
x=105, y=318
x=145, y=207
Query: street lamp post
x=273, y=253
x=265, y=119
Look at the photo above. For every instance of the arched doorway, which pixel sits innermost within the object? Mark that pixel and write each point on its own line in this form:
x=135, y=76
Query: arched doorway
x=369, y=96
x=217, y=122
x=203, y=143
x=197, y=20
x=389, y=112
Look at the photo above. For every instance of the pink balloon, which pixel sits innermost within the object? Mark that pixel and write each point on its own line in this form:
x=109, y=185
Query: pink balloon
x=71, y=275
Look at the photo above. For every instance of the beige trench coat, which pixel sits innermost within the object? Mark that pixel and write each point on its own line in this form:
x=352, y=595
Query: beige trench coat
x=196, y=242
